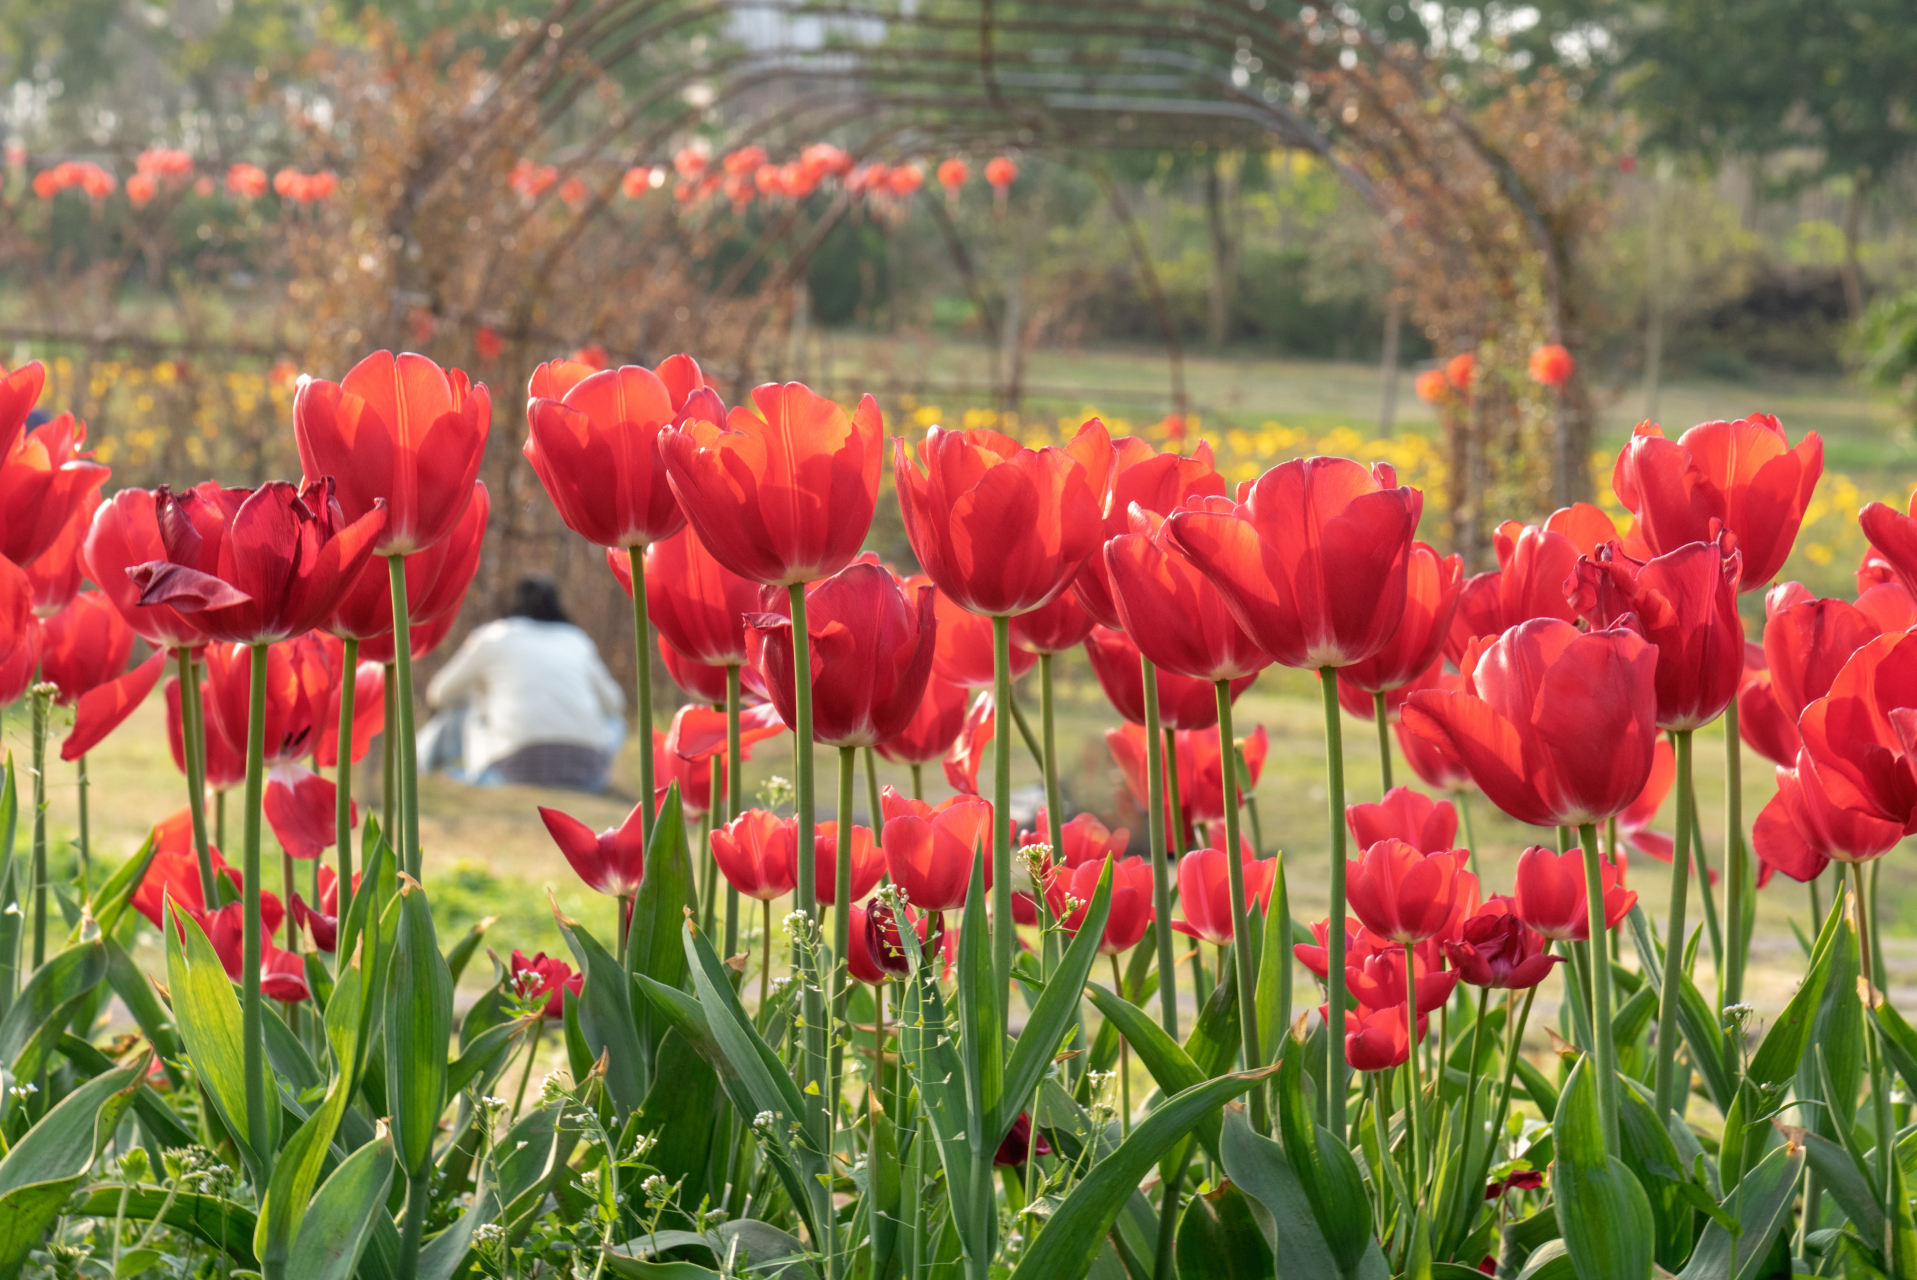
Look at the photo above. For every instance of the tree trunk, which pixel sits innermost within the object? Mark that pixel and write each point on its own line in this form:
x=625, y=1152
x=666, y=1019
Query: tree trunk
x=1388, y=364
x=1218, y=317
x=1853, y=218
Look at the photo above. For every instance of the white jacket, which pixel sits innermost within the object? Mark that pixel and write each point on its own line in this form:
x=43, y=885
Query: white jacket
x=525, y=682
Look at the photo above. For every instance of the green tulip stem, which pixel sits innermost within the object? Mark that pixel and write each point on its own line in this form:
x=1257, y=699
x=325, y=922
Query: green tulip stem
x=193, y=747
x=40, y=697
x=1667, y=1032
x=1124, y=1073
x=1513, y=1046
x=841, y=920
x=1415, y=1103
x=389, y=762
x=1736, y=862
x=1161, y=861
x=874, y=802
x=642, y=644
x=1885, y=1136
x=806, y=898
x=406, y=757
x=735, y=800
x=252, y=1023
x=1384, y=737
x=1335, y=1070
x=1048, y=740
x=1003, y=929
x=343, y=789
x=918, y=782
x=86, y=840
x=532, y=1056
x=1025, y=731
x=1463, y=799
x=1242, y=924
x=1603, y=1051
x=1471, y=1091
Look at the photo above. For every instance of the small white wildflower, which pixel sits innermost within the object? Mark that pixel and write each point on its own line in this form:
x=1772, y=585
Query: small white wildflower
x=764, y=1120
x=656, y=1188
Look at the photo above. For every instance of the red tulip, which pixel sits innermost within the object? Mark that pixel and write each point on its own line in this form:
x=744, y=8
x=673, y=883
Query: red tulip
x=126, y=532
x=1131, y=909
x=784, y=495
x=886, y=945
x=1405, y=895
x=45, y=481
x=369, y=707
x=1535, y=563
x=1183, y=703
x=541, y=975
x=1157, y=482
x=929, y=849
x=1427, y=825
x=1685, y=603
x=175, y=873
x=1360, y=703
x=19, y=392
x=1859, y=736
x=1317, y=958
x=963, y=655
x=436, y=580
x=933, y=728
x=398, y=429
x=1016, y=1147
x=596, y=451
x=1172, y=612
x=1635, y=821
x=871, y=654
x=1495, y=949
x=861, y=961
x=1555, y=725
x=1435, y=763
x=1204, y=892
x=225, y=762
x=1550, y=894
x=298, y=689
x=968, y=749
x=1378, y=1039
x=255, y=566
x=1801, y=830
x=1200, y=772
x=1127, y=745
x=697, y=603
x=708, y=684
x=868, y=862
x=282, y=973
x=1431, y=600
x=1763, y=725
x=1552, y=366
x=1053, y=628
x=755, y=854
x=1743, y=474
x=84, y=646
x=57, y=573
x=1086, y=840
x=1000, y=528
x=322, y=922
x=301, y=806
x=103, y=708
x=1807, y=641
x=1375, y=976
x=611, y=862
x=699, y=733
x=1313, y=561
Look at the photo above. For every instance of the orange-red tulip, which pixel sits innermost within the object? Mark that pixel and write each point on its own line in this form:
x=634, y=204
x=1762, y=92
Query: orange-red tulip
x=534, y=976
x=436, y=580
x=45, y=481
x=1535, y=564
x=56, y=574
x=1204, y=892
x=784, y=495
x=708, y=684
x=298, y=685
x=1550, y=894
x=19, y=632
x=868, y=862
x=1157, y=482
x=755, y=854
x=398, y=429
x=1745, y=475
x=1634, y=823
x=1861, y=737
x=1435, y=763
x=1427, y=825
x=1183, y=703
x=963, y=654
x=102, y=709
x=1200, y=771
x=175, y=873
x=697, y=603
x=282, y=973
x=612, y=862
x=1173, y=612
x=84, y=646
x=1801, y=830
x=1131, y=908
x=1053, y=628
x=369, y=706
x=1432, y=584
x=1374, y=974
x=1313, y=560
x=19, y=392
x=929, y=849
x=1404, y=895
x=1378, y=1039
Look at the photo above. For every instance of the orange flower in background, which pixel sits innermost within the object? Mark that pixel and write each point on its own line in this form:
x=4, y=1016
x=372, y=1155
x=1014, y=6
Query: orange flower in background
x=140, y=189
x=785, y=494
x=1552, y=365
x=487, y=344
x=1001, y=171
x=904, y=180
x=1432, y=386
x=574, y=192
x=247, y=181
x=953, y=173
x=1460, y=369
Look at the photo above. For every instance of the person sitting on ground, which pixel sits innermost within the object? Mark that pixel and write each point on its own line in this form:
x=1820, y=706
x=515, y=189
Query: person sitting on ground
x=526, y=700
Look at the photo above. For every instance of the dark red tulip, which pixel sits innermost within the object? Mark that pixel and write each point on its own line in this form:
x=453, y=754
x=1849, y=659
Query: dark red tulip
x=298, y=690
x=1685, y=603
x=1313, y=561
x=933, y=728
x=257, y=565
x=886, y=945
x=125, y=533
x=1157, y=482
x=45, y=481
x=103, y=708
x=871, y=648
x=1086, y=839
x=301, y=807
x=596, y=451
x=1859, y=736
x=1745, y=475
x=1555, y=725
x=1131, y=908
x=1495, y=949
x=1183, y=703
x=1432, y=584
x=784, y=495
x=84, y=646
x=868, y=862
x=611, y=862
x=968, y=749
x=1204, y=892
x=1427, y=825
x=436, y=580
x=697, y=603
x=225, y=761
x=1404, y=895
x=1016, y=1148
x=1535, y=563
x=398, y=429
x=860, y=959
x=1053, y=628
x=755, y=854
x=543, y=975
x=1000, y=528
x=1172, y=611
x=1550, y=894
x=929, y=849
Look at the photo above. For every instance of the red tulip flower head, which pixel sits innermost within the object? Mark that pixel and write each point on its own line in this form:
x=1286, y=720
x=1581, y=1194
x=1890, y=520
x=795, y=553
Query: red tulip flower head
x=1535, y=562
x=45, y=481
x=1000, y=528
x=1634, y=824
x=1685, y=603
x=885, y=944
x=596, y=450
x=1053, y=628
x=871, y=650
x=611, y=862
x=399, y=430
x=1204, y=892
x=968, y=750
x=1313, y=560
x=933, y=728
x=437, y=580
x=225, y=763
x=1436, y=765
x=929, y=849
x=1406, y=896
x=1374, y=973
x=1860, y=737
x=1807, y=641
x=1802, y=830
x=1552, y=366
x=1550, y=894
x=19, y=392
x=1427, y=825
x=1173, y=612
x=544, y=978
x=257, y=565
x=1432, y=585
x=126, y=532
x=963, y=655
x=1183, y=703
x=59, y=570
x=1156, y=482
x=84, y=646
x=298, y=684
x=19, y=632
x=300, y=805
x=860, y=961
x=868, y=863
x=1069, y=892
x=1379, y=1039
x=1555, y=725
x=784, y=495
x=697, y=603
x=755, y=854
x=1495, y=949
x=1744, y=475
x=1085, y=840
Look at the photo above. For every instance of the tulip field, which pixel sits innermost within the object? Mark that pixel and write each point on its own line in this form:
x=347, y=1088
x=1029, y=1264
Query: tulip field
x=762, y=1038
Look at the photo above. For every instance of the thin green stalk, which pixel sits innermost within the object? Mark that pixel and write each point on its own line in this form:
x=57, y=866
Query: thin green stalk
x=193, y=747
x=1701, y=865
x=1415, y=1103
x=1161, y=862
x=1124, y=1064
x=532, y=1056
x=40, y=697
x=876, y=811
x=1048, y=741
x=806, y=838
x=1665, y=1086
x=702, y=852
x=1870, y=904
x=1604, y=1052
x=413, y=1229
x=1025, y=731
x=1241, y=919
x=1465, y=1130
x=1814, y=886
x=1879, y=1086
x=918, y=782
x=1463, y=799
x=389, y=762
x=1335, y=1071
x=1737, y=862
x=343, y=788
x=1384, y=737
x=219, y=818
x=86, y=840
x=735, y=799
x=1173, y=804
x=1514, y=1045
x=252, y=1023
x=841, y=922
x=405, y=750
x=642, y=641
x=1003, y=929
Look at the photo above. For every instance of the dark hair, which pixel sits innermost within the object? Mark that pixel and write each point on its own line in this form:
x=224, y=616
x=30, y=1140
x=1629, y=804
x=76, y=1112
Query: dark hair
x=538, y=599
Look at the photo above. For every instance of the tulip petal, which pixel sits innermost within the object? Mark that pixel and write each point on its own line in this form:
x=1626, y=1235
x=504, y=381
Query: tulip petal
x=102, y=710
